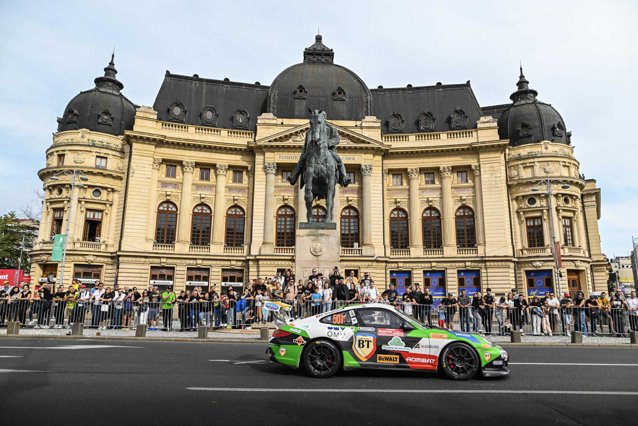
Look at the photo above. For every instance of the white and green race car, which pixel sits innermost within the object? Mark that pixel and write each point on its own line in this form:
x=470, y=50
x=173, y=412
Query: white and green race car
x=379, y=336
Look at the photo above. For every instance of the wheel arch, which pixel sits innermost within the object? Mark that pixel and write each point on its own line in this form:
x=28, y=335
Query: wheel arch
x=314, y=339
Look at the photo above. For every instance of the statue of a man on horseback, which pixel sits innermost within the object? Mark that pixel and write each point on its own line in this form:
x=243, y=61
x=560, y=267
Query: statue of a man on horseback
x=319, y=166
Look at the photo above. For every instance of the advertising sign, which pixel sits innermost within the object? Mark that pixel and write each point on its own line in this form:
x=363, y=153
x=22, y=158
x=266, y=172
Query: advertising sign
x=14, y=276
x=58, y=247
x=437, y=285
x=471, y=282
x=539, y=282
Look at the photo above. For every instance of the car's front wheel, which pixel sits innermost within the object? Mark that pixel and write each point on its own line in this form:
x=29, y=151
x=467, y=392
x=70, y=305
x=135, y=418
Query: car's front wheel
x=321, y=358
x=459, y=361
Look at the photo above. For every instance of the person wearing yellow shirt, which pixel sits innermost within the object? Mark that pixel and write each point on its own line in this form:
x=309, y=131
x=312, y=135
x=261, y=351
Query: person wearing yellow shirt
x=605, y=312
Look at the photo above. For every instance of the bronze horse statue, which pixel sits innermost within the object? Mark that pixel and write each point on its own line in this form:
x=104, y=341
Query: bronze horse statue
x=319, y=166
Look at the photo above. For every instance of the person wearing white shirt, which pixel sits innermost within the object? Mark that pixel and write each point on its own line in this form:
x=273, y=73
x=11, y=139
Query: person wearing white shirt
x=326, y=298
x=632, y=306
x=118, y=304
x=554, y=304
x=96, y=299
x=372, y=294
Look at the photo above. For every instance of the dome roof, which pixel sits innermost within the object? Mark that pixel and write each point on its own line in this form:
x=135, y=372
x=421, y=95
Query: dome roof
x=318, y=83
x=528, y=120
x=102, y=109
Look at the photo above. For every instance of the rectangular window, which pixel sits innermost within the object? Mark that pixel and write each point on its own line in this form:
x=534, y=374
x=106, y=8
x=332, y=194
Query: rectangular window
x=100, y=162
x=162, y=276
x=204, y=173
x=426, y=281
x=535, y=232
x=568, y=235
x=232, y=278
x=285, y=174
x=351, y=176
x=56, y=223
x=60, y=160
x=429, y=178
x=92, y=225
x=238, y=176
x=171, y=170
x=87, y=274
x=198, y=277
x=397, y=179
x=461, y=176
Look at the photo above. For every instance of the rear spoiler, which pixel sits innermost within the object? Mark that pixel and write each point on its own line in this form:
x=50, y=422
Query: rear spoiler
x=280, y=312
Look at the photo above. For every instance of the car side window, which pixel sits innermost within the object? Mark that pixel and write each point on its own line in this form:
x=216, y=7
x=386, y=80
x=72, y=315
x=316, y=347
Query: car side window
x=381, y=318
x=338, y=318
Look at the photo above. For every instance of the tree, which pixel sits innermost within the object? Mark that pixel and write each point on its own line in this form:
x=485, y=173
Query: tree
x=13, y=231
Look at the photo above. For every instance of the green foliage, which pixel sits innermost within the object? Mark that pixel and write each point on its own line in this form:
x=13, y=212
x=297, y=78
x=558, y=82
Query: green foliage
x=12, y=231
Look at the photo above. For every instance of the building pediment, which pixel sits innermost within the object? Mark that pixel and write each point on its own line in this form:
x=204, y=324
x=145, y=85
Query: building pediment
x=295, y=136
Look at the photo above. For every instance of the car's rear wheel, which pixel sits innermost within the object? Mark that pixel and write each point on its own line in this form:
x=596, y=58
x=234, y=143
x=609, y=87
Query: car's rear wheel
x=321, y=358
x=459, y=361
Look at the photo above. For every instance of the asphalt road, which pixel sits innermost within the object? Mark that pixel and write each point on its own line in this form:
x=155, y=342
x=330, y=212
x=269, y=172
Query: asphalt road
x=48, y=381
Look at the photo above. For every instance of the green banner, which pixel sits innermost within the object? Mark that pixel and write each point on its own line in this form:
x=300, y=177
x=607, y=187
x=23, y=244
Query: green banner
x=58, y=247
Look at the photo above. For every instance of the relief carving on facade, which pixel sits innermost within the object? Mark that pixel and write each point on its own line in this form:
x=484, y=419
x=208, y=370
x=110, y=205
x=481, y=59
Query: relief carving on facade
x=366, y=169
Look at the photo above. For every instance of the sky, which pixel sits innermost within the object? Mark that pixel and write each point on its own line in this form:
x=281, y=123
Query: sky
x=579, y=55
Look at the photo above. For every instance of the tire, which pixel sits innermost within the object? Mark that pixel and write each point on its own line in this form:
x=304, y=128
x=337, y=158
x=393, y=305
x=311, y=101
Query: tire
x=321, y=359
x=459, y=361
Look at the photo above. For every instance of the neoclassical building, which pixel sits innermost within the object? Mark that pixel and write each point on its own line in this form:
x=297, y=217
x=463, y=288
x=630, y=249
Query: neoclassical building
x=193, y=190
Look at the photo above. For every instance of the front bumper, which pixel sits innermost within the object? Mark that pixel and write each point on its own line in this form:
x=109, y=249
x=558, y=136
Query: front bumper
x=496, y=368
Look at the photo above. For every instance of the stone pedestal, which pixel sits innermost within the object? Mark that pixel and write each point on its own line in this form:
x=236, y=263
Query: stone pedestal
x=317, y=246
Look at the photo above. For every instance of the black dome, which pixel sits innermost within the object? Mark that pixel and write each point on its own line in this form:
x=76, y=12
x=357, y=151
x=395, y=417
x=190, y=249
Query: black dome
x=529, y=120
x=318, y=83
x=102, y=109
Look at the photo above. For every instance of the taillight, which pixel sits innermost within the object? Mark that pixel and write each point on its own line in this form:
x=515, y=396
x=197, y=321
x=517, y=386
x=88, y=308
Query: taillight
x=280, y=333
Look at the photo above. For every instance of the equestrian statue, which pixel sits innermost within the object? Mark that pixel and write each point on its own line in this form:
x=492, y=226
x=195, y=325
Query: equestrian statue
x=319, y=166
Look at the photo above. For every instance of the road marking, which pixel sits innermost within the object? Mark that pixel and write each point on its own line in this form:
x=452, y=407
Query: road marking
x=259, y=361
x=4, y=370
x=428, y=391
x=219, y=360
x=11, y=356
x=577, y=364
x=70, y=347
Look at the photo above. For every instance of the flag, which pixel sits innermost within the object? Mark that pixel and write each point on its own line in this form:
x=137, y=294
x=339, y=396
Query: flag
x=58, y=247
x=559, y=259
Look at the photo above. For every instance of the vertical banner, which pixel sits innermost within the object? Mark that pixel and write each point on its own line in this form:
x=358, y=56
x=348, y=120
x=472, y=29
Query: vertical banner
x=58, y=247
x=559, y=258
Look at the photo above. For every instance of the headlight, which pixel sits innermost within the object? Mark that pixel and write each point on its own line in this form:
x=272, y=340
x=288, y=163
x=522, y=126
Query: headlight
x=504, y=356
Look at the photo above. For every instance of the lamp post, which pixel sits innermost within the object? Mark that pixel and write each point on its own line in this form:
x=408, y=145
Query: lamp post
x=555, y=254
x=82, y=177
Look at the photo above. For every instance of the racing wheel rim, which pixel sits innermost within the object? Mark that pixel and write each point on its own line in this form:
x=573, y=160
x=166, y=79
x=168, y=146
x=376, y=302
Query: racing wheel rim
x=322, y=359
x=460, y=362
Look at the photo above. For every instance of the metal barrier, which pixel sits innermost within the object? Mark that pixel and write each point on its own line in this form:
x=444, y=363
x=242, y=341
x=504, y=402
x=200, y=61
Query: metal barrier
x=190, y=315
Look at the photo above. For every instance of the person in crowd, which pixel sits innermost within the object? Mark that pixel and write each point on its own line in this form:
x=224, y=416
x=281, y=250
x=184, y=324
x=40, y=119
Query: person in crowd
x=43, y=307
x=205, y=310
x=417, y=295
x=4, y=301
x=501, y=314
x=352, y=278
x=465, y=307
x=440, y=311
x=96, y=304
x=82, y=305
x=313, y=276
x=277, y=293
x=478, y=312
x=117, y=307
x=362, y=290
x=605, y=312
x=537, y=315
x=71, y=300
x=520, y=312
x=489, y=302
x=259, y=297
x=335, y=276
x=60, y=302
x=427, y=300
x=193, y=309
x=366, y=280
x=547, y=312
x=353, y=293
x=450, y=304
x=315, y=297
x=168, y=301
x=372, y=294
x=341, y=292
x=326, y=298
x=509, y=306
x=182, y=312
x=554, y=304
x=105, y=308
x=143, y=308
x=618, y=305
x=215, y=300
x=128, y=314
x=391, y=294
x=580, y=317
x=153, y=307
x=592, y=310
x=632, y=308
x=408, y=305
x=566, y=304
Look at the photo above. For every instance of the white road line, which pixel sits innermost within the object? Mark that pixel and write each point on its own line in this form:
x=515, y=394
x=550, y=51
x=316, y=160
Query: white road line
x=219, y=360
x=428, y=391
x=4, y=370
x=577, y=364
x=11, y=356
x=70, y=347
x=259, y=361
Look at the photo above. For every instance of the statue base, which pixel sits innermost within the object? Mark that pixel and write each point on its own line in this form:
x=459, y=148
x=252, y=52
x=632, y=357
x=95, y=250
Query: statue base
x=317, y=246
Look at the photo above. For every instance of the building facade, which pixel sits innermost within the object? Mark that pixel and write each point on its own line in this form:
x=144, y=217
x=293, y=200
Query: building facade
x=193, y=190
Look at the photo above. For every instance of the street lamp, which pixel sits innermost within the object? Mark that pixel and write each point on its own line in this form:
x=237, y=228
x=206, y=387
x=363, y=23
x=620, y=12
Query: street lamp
x=83, y=178
x=555, y=254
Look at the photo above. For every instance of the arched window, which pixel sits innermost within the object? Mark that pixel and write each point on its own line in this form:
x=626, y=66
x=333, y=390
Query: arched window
x=285, y=227
x=465, y=228
x=166, y=223
x=431, y=228
x=399, y=234
x=200, y=225
x=349, y=227
x=235, y=224
x=319, y=214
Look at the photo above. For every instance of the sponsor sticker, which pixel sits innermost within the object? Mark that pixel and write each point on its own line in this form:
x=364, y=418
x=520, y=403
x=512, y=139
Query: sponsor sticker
x=296, y=330
x=395, y=344
x=282, y=351
x=338, y=333
x=388, y=359
x=390, y=332
x=421, y=362
x=439, y=336
x=364, y=345
x=487, y=356
x=486, y=346
x=299, y=341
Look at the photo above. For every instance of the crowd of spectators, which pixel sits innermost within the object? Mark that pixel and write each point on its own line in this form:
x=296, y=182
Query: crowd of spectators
x=114, y=307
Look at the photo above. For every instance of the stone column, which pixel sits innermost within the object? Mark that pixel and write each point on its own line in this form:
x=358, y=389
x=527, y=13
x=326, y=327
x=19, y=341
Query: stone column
x=269, y=209
x=416, y=237
x=449, y=240
x=185, y=208
x=112, y=219
x=152, y=201
x=366, y=223
x=220, y=207
x=478, y=208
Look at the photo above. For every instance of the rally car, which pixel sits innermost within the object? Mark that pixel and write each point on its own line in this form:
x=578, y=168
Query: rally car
x=379, y=336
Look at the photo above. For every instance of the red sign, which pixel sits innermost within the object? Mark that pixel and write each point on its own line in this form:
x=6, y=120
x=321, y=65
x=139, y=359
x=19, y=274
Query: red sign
x=421, y=362
x=14, y=276
x=392, y=332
